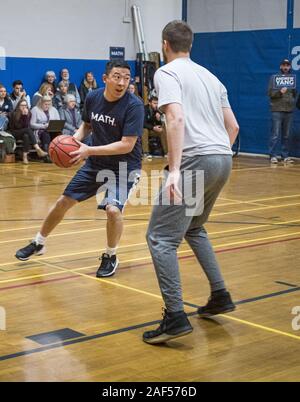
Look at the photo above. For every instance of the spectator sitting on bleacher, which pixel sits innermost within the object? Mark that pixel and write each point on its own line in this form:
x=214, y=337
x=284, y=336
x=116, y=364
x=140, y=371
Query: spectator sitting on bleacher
x=59, y=98
x=50, y=78
x=40, y=117
x=71, y=115
x=131, y=88
x=45, y=90
x=6, y=107
x=65, y=76
x=19, y=126
x=18, y=94
x=87, y=85
x=153, y=126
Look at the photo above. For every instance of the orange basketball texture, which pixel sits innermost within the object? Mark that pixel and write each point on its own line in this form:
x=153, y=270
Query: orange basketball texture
x=60, y=148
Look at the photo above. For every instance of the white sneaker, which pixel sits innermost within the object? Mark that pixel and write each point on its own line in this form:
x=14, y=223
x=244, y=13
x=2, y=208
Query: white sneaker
x=274, y=160
x=288, y=160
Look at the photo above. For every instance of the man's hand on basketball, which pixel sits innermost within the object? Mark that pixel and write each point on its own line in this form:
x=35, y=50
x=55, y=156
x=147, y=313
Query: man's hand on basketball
x=173, y=187
x=81, y=154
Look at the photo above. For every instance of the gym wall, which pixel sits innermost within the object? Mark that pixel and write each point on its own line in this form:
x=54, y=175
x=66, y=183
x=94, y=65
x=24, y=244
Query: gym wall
x=243, y=42
x=39, y=35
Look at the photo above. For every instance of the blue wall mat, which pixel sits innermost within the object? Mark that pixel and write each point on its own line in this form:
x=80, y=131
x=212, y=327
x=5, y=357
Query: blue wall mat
x=31, y=70
x=244, y=62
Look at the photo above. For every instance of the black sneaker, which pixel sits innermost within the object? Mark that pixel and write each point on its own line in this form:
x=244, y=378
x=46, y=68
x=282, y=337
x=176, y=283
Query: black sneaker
x=172, y=326
x=217, y=304
x=108, y=266
x=32, y=249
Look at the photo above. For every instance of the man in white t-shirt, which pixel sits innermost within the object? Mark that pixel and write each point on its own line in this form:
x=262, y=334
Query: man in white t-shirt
x=201, y=128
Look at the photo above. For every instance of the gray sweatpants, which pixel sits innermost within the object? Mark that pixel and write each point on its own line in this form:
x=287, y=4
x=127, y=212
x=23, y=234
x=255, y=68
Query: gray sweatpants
x=169, y=224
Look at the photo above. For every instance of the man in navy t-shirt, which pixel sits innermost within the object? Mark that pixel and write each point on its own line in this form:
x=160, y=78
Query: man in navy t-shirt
x=113, y=162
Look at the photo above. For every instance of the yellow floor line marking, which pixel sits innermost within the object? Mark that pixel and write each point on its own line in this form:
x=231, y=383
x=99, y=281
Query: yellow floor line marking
x=248, y=169
x=142, y=214
x=239, y=203
x=188, y=252
x=72, y=254
x=228, y=317
x=116, y=284
x=254, y=227
x=38, y=227
x=262, y=199
x=74, y=233
x=252, y=324
x=255, y=240
x=255, y=209
x=107, y=282
x=235, y=212
x=230, y=199
x=146, y=223
x=94, y=266
x=31, y=277
x=148, y=214
x=236, y=202
x=142, y=244
x=25, y=169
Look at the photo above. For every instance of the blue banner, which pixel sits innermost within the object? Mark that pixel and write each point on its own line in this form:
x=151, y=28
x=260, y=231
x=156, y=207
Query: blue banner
x=117, y=53
x=245, y=61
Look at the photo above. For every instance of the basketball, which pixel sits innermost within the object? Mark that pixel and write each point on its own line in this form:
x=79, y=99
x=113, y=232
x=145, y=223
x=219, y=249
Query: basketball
x=60, y=148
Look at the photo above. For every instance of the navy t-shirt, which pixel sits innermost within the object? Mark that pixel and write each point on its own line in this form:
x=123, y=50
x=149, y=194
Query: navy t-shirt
x=110, y=122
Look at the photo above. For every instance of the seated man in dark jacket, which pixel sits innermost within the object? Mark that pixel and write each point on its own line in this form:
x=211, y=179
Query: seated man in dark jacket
x=153, y=126
x=282, y=106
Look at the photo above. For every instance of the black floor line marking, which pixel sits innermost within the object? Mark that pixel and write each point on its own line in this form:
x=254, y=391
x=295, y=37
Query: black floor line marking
x=269, y=296
x=258, y=298
x=286, y=284
x=131, y=328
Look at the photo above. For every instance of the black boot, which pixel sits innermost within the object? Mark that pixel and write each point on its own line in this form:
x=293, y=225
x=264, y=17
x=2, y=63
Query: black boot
x=219, y=303
x=172, y=326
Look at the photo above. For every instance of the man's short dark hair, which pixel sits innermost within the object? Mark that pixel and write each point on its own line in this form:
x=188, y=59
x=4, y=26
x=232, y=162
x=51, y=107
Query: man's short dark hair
x=179, y=35
x=116, y=64
x=153, y=98
x=17, y=82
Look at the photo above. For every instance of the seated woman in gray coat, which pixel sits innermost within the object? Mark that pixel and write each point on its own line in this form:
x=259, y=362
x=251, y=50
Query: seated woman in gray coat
x=71, y=115
x=39, y=122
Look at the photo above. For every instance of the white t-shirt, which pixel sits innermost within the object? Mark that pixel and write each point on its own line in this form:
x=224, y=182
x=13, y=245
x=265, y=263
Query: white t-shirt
x=202, y=97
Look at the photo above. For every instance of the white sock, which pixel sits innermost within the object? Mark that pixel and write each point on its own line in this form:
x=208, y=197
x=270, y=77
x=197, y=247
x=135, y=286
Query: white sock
x=39, y=239
x=111, y=251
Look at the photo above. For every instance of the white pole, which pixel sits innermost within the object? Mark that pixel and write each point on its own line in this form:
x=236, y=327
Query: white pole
x=140, y=31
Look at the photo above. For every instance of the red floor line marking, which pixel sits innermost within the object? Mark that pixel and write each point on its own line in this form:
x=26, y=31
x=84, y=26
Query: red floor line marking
x=226, y=250
x=41, y=282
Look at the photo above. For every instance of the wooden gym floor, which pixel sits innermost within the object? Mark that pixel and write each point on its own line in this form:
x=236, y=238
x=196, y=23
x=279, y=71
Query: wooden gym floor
x=92, y=328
